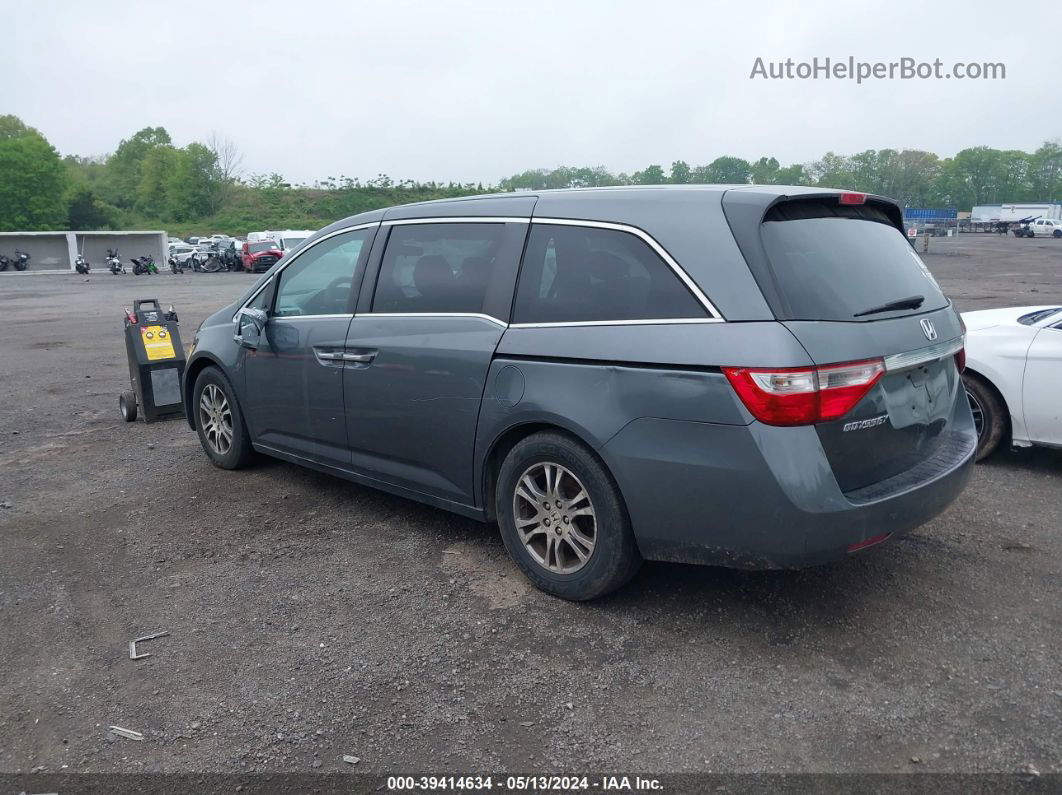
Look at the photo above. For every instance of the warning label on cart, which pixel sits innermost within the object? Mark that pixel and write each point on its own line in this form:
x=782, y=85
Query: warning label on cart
x=157, y=343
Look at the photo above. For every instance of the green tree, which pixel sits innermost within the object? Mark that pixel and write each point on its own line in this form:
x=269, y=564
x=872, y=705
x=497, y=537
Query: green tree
x=831, y=171
x=792, y=175
x=1045, y=172
x=194, y=185
x=32, y=179
x=765, y=171
x=156, y=172
x=653, y=175
x=124, y=166
x=681, y=173
x=727, y=170
x=88, y=211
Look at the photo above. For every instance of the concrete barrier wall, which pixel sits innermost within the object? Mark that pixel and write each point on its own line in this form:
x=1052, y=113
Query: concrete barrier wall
x=48, y=252
x=56, y=251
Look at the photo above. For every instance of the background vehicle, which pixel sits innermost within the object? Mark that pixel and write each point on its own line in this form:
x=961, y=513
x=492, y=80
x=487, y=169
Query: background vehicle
x=20, y=260
x=1022, y=228
x=1013, y=375
x=260, y=255
x=114, y=264
x=81, y=265
x=183, y=253
x=290, y=238
x=1045, y=227
x=4, y=262
x=793, y=398
x=144, y=264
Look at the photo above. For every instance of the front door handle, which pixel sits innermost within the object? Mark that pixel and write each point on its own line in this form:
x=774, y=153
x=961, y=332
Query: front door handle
x=328, y=357
x=359, y=358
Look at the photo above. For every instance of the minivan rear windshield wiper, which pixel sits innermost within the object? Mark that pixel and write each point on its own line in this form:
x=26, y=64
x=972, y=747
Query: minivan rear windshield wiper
x=913, y=302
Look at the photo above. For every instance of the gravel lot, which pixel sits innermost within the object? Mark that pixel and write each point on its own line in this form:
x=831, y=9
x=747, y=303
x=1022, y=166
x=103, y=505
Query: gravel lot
x=312, y=618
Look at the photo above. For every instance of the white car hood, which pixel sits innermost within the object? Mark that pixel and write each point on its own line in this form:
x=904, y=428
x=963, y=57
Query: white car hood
x=987, y=318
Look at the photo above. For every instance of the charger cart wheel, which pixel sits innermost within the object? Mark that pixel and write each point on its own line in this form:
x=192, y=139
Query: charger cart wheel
x=127, y=403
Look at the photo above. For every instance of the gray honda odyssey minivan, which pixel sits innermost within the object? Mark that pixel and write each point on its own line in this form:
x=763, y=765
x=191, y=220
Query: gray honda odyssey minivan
x=739, y=375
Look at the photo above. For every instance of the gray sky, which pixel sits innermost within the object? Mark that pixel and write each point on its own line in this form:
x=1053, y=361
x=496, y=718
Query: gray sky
x=473, y=91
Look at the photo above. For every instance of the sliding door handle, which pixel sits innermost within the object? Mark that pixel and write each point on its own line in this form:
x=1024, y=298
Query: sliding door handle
x=328, y=357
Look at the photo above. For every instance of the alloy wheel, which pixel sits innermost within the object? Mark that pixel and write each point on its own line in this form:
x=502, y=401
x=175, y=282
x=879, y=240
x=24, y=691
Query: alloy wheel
x=215, y=418
x=978, y=413
x=554, y=518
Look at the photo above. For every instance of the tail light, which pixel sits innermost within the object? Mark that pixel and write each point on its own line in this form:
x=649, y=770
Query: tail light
x=804, y=395
x=852, y=198
x=960, y=358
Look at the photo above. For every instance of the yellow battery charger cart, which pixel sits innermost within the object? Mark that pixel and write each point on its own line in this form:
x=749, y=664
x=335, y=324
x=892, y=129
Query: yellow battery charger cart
x=156, y=362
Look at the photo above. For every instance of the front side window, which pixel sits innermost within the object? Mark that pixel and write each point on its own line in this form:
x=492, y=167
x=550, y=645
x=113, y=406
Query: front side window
x=438, y=268
x=319, y=281
x=580, y=274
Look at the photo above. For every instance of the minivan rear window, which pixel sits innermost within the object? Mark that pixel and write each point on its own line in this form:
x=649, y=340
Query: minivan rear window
x=842, y=262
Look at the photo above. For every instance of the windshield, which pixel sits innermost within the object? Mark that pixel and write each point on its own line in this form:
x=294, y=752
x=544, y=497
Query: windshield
x=838, y=268
x=265, y=245
x=1033, y=318
x=291, y=242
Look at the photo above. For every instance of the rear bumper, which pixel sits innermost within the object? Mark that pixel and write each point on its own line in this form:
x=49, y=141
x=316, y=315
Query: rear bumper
x=764, y=497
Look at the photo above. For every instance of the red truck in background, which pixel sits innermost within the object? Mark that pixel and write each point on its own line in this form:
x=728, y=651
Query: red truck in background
x=259, y=255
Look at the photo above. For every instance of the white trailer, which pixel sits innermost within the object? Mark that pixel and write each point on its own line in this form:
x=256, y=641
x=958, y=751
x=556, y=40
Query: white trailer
x=1017, y=212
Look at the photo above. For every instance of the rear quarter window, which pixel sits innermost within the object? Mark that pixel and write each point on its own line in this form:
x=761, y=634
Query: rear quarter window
x=574, y=274
x=832, y=262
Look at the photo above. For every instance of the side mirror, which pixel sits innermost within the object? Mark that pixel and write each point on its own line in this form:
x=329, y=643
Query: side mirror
x=250, y=323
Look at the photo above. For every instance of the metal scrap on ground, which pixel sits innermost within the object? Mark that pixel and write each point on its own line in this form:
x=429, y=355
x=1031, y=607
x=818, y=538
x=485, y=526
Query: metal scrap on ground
x=350, y=760
x=132, y=645
x=129, y=733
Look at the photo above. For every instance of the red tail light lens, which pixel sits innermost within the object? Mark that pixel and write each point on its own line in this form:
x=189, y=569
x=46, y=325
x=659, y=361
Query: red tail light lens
x=804, y=395
x=960, y=359
x=852, y=198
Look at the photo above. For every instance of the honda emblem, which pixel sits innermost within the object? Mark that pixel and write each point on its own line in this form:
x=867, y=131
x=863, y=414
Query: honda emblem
x=928, y=330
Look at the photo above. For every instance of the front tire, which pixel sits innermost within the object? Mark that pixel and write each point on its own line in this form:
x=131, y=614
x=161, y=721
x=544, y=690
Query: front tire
x=563, y=519
x=219, y=421
x=990, y=415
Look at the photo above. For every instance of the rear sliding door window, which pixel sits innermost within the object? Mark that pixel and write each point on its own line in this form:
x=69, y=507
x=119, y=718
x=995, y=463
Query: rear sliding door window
x=579, y=274
x=439, y=268
x=834, y=262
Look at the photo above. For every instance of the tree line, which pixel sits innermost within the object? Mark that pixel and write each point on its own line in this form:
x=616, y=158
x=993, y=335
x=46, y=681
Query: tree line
x=979, y=175
x=150, y=183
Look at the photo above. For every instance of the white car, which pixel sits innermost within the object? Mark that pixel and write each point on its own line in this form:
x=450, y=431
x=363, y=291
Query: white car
x=1013, y=375
x=184, y=252
x=1045, y=227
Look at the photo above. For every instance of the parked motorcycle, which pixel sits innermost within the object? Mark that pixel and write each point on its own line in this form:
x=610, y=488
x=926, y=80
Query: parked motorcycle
x=4, y=262
x=144, y=264
x=81, y=265
x=21, y=260
x=114, y=265
x=175, y=265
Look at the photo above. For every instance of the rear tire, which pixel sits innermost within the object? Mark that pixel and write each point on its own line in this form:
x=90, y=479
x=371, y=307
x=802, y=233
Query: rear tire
x=604, y=564
x=1057, y=233
x=990, y=414
x=219, y=421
